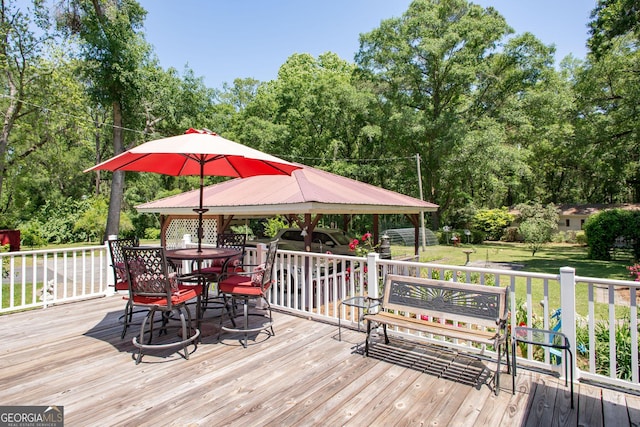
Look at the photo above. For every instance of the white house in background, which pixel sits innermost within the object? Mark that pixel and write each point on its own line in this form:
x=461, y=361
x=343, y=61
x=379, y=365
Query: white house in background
x=573, y=217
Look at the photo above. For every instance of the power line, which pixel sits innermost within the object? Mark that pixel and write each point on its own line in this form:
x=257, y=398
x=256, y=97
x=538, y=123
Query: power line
x=290, y=157
x=47, y=110
x=385, y=159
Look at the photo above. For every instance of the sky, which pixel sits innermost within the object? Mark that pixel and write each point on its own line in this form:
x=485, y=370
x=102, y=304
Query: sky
x=221, y=40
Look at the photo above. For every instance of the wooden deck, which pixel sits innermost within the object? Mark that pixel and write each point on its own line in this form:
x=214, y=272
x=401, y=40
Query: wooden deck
x=72, y=355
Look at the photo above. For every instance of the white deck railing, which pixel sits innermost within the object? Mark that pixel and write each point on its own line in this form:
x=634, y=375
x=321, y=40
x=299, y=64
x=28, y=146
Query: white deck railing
x=601, y=326
x=43, y=277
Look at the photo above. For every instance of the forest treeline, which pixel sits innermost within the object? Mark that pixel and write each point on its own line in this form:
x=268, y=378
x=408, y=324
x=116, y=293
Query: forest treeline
x=494, y=120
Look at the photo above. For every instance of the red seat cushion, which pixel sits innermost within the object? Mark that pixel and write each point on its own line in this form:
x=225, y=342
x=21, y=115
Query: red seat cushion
x=244, y=284
x=178, y=297
x=239, y=285
x=122, y=286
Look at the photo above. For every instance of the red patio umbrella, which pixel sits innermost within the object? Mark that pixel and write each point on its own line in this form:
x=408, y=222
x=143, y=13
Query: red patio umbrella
x=197, y=152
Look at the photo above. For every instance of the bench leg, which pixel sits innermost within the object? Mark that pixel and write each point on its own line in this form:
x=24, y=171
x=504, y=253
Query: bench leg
x=366, y=341
x=513, y=367
x=506, y=350
x=386, y=337
x=497, y=376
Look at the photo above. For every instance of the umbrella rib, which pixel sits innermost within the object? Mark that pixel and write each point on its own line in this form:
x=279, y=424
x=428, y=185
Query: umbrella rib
x=134, y=160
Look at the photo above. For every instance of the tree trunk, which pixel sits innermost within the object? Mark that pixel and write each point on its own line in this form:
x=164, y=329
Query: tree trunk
x=98, y=159
x=117, y=183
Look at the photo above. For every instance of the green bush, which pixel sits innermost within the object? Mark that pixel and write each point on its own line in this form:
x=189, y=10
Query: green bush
x=273, y=225
x=603, y=228
x=31, y=234
x=152, y=233
x=91, y=224
x=492, y=222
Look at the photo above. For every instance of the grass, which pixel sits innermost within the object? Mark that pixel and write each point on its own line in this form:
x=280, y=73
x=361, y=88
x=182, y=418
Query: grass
x=547, y=260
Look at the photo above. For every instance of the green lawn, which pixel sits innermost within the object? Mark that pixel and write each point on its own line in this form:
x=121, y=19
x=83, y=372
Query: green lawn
x=547, y=260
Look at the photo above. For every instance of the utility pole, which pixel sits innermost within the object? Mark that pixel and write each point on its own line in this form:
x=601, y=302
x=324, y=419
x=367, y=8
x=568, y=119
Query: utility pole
x=422, y=231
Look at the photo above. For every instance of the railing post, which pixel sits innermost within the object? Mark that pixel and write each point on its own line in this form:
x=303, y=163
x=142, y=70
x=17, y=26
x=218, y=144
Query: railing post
x=372, y=274
x=568, y=305
x=261, y=253
x=261, y=257
x=111, y=280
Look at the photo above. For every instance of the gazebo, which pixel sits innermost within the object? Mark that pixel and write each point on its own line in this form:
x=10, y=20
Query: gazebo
x=308, y=191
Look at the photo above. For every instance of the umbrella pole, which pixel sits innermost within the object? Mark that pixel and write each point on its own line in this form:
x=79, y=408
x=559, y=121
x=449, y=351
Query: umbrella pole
x=201, y=210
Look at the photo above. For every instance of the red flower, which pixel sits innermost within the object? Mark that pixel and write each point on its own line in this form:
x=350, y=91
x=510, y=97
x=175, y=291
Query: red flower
x=366, y=236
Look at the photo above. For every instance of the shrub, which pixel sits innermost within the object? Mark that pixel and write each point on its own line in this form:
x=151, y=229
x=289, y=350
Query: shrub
x=152, y=233
x=602, y=230
x=273, y=225
x=492, y=222
x=91, y=224
x=5, y=261
x=31, y=234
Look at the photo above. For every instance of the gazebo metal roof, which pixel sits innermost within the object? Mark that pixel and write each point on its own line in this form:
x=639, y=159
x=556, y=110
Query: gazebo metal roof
x=307, y=190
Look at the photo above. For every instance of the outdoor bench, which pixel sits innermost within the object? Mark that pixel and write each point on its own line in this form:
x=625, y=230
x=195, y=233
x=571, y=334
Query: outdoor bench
x=459, y=312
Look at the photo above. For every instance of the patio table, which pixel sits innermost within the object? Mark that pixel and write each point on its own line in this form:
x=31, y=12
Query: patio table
x=198, y=256
x=362, y=303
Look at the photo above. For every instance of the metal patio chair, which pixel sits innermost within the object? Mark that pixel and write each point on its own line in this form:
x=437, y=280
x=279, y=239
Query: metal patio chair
x=121, y=283
x=152, y=287
x=239, y=288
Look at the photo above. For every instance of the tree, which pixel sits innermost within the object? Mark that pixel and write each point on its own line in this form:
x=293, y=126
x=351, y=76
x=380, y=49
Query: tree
x=537, y=224
x=313, y=112
x=114, y=53
x=20, y=51
x=438, y=70
x=608, y=129
x=611, y=19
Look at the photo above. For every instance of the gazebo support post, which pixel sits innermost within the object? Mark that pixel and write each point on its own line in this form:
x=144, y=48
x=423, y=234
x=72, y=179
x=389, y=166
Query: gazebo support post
x=376, y=229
